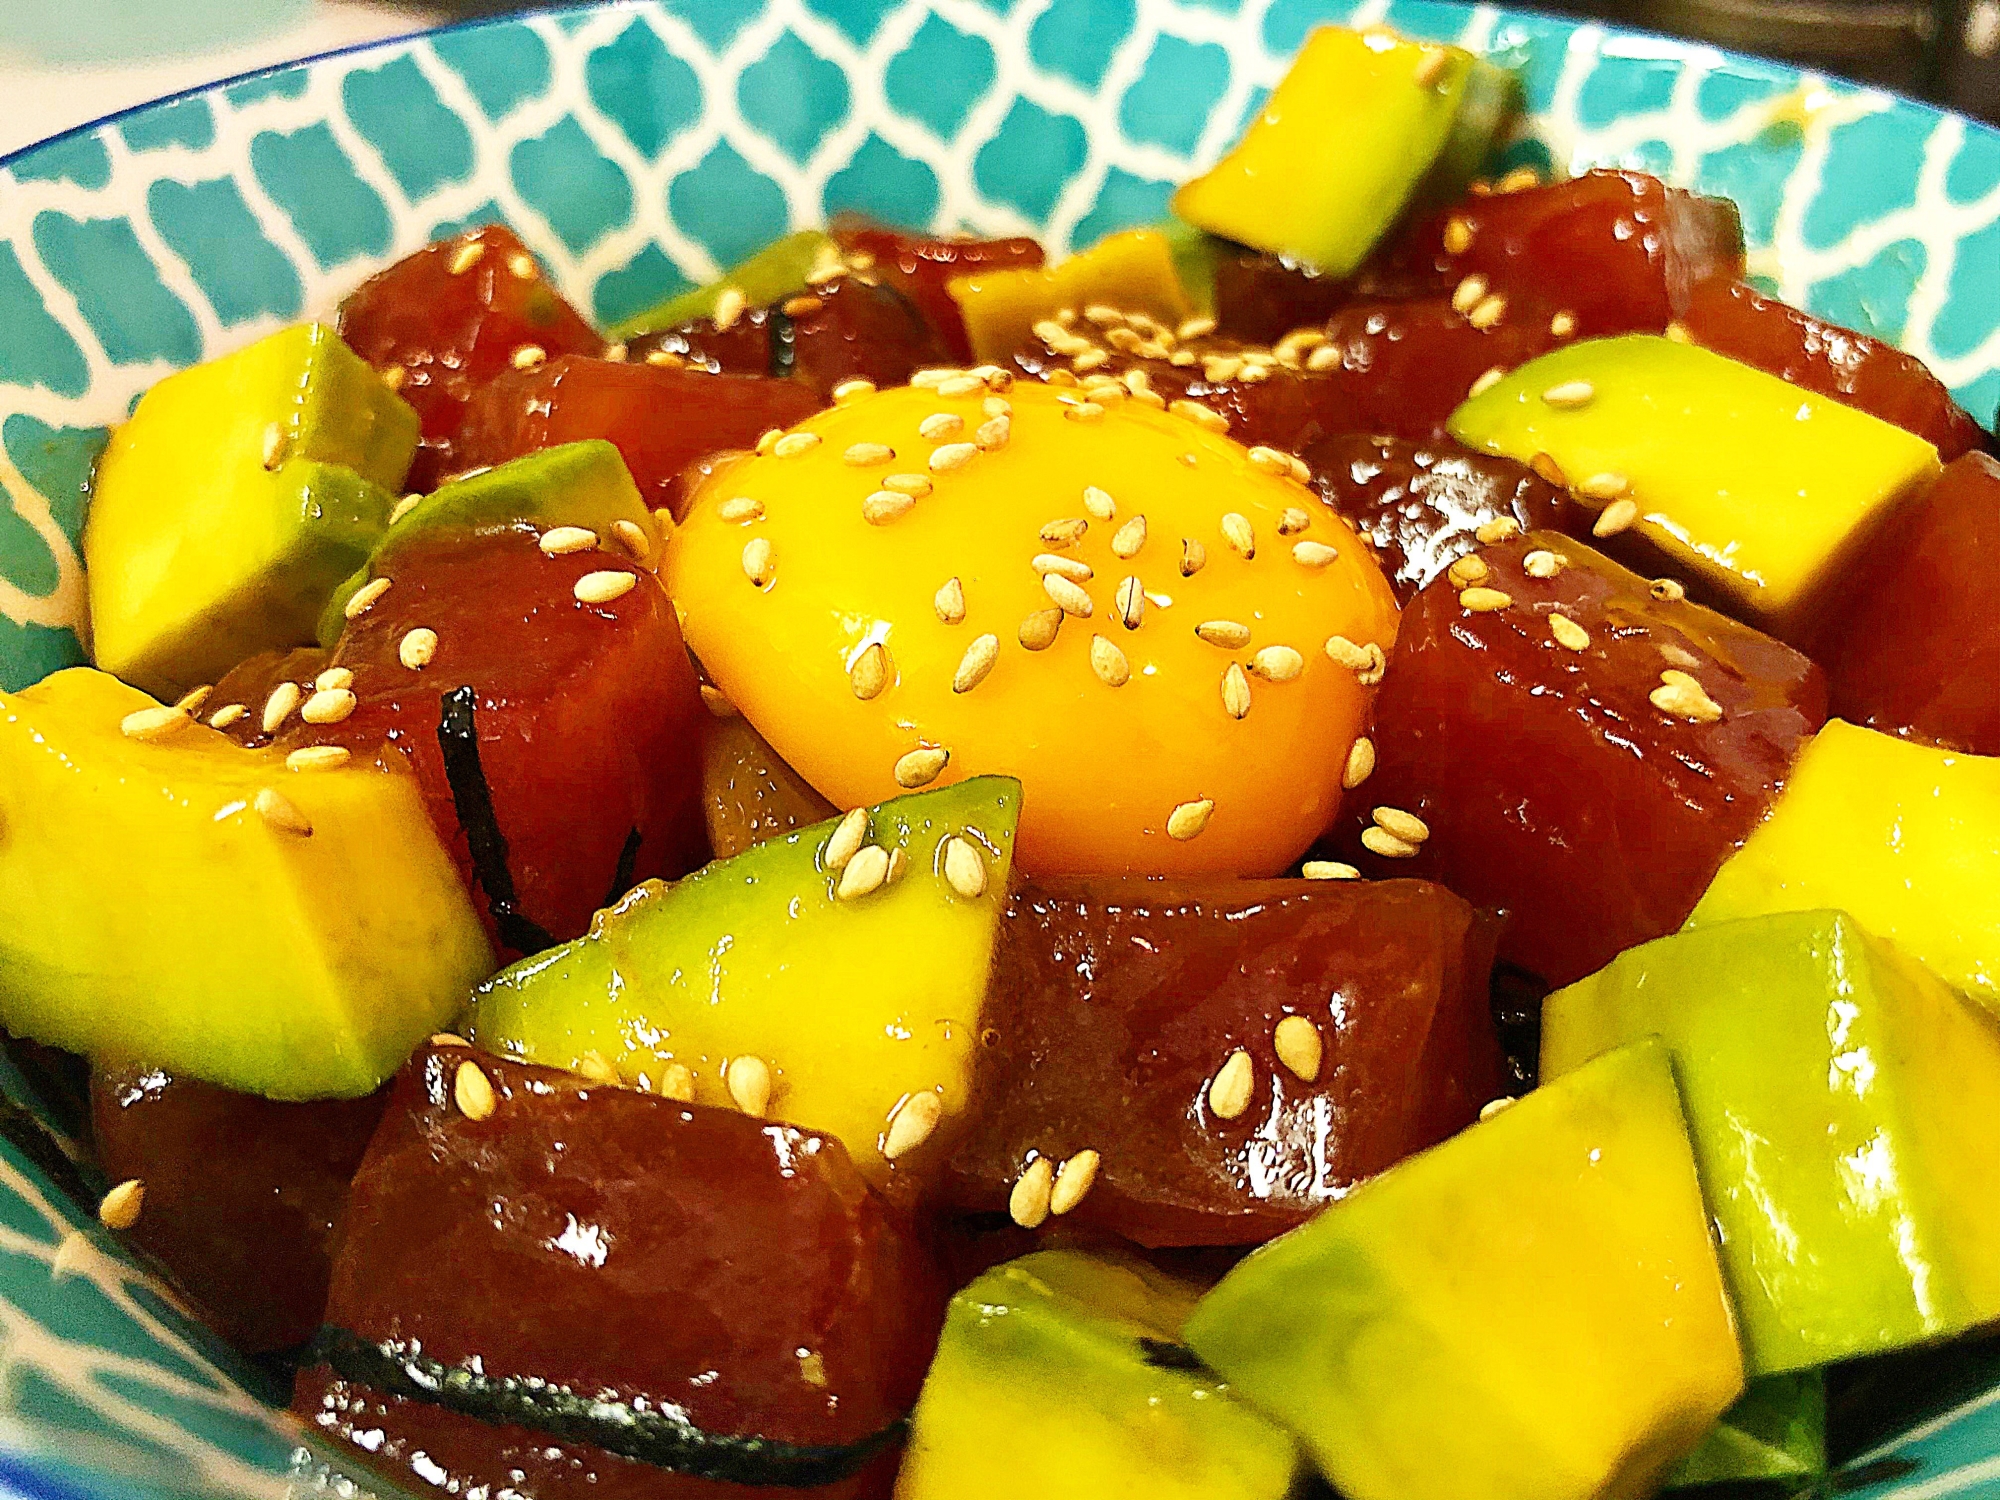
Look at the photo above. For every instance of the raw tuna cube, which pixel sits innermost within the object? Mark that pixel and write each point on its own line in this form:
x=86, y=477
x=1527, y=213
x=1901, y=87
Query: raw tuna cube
x=919, y=266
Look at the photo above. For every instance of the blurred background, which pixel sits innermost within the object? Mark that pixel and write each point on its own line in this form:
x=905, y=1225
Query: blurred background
x=63, y=62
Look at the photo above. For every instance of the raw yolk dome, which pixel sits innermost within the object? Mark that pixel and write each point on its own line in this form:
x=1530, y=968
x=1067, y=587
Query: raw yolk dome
x=1116, y=604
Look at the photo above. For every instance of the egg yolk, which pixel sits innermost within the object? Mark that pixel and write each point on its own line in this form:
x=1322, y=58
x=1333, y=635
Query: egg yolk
x=1163, y=635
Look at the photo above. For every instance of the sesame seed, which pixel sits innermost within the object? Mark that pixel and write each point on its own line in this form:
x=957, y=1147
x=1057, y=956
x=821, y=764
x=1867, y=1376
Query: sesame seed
x=1562, y=325
x=994, y=433
x=334, y=677
x=275, y=443
x=758, y=564
x=899, y=865
x=1488, y=313
x=334, y=706
x=964, y=868
x=1431, y=63
x=952, y=456
x=852, y=390
x=281, y=813
x=1467, y=572
x=1218, y=368
x=466, y=257
x=1074, y=569
x=1680, y=333
x=1571, y=395
x=1086, y=359
x=961, y=385
x=863, y=873
x=1108, y=662
x=1546, y=468
x=395, y=377
x=845, y=841
x=920, y=767
x=1610, y=485
x=867, y=455
x=1568, y=633
x=617, y=354
x=949, y=601
x=1325, y=357
x=318, y=758
x=1229, y=1092
x=1616, y=517
x=1194, y=557
x=1457, y=235
x=1130, y=602
x=976, y=663
x=529, y=356
x=1188, y=819
x=522, y=265
x=403, y=507
x=1278, y=664
x=739, y=509
x=1499, y=529
x=1517, y=180
x=1235, y=691
x=603, y=587
x=884, y=506
x=940, y=424
x=1297, y=1042
x=119, y=1209
x=1486, y=382
x=869, y=673
x=1493, y=1107
x=1378, y=840
x=561, y=541
x=631, y=536
x=1360, y=763
x=916, y=486
x=794, y=444
x=1328, y=869
x=1067, y=596
x=1241, y=536
x=1292, y=521
x=676, y=1083
x=665, y=359
x=151, y=725
x=229, y=716
x=1084, y=411
x=1542, y=563
x=1038, y=630
x=285, y=697
x=1468, y=293
x=597, y=1068
x=996, y=377
x=911, y=1124
x=1349, y=655
x=1406, y=826
x=1230, y=635
x=1195, y=328
x=1668, y=590
x=749, y=1081
x=1202, y=416
x=1074, y=1180
x=1481, y=601
x=1684, y=698
x=1128, y=539
x=1028, y=1203
x=769, y=439
x=1271, y=461
x=716, y=703
x=931, y=379
x=730, y=304
x=801, y=306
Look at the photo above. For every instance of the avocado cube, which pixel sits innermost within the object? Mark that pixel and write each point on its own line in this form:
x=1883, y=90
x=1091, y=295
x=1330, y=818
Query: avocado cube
x=1134, y=272
x=1841, y=1100
x=1530, y=1311
x=1754, y=486
x=771, y=275
x=234, y=500
x=1776, y=1431
x=1364, y=122
x=1061, y=1375
x=296, y=948
x=858, y=1006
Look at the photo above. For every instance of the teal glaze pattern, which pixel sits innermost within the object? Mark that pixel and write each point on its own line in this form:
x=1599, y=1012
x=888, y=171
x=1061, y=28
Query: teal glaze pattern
x=640, y=146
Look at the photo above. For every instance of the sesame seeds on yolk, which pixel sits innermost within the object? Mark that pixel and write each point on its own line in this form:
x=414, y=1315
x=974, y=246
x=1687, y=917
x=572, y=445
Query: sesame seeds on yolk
x=1103, y=763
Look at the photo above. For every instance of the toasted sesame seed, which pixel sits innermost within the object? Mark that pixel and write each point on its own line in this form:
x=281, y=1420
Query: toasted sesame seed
x=976, y=663
x=863, y=873
x=1271, y=461
x=560, y=541
x=1406, y=826
x=964, y=868
x=942, y=424
x=1130, y=601
x=1230, y=635
x=1499, y=529
x=1562, y=325
x=1074, y=1180
x=916, y=486
x=1609, y=485
x=1188, y=819
x=869, y=672
x=884, y=506
x=759, y=566
x=852, y=390
x=845, y=841
x=740, y=509
x=1541, y=563
x=631, y=536
x=1328, y=869
x=931, y=379
x=666, y=359
x=1084, y=411
x=466, y=257
x=794, y=444
x=403, y=507
x=717, y=704
x=1098, y=505
x=228, y=716
x=1130, y=538
x=1517, y=180
x=730, y=304
x=1278, y=664
x=1028, y=1203
x=1075, y=569
x=529, y=356
x=1616, y=517
x=1067, y=596
x=1349, y=655
x=1085, y=358
x=1467, y=572
x=1546, y=468
x=617, y=354
x=605, y=586
x=920, y=767
x=521, y=265
x=1193, y=557
x=1486, y=382
x=961, y=385
x=151, y=725
x=318, y=758
x=1457, y=235
x=334, y=677
x=867, y=455
x=1293, y=520
x=1241, y=536
x=281, y=813
x=1571, y=395
x=1481, y=601
x=994, y=433
x=1568, y=633
x=1493, y=1107
x=749, y=1081
x=952, y=456
x=1297, y=1042
x=1488, y=313
x=1378, y=840
x=1360, y=763
x=335, y=706
x=1196, y=327
x=1668, y=590
x=1038, y=630
x=1684, y=698
x=1217, y=369
x=285, y=697
x=949, y=601
x=1679, y=332
x=1235, y=691
x=395, y=377
x=1325, y=357
x=597, y=1068
x=676, y=1083
x=1108, y=662
x=448, y=1039
x=911, y=1124
x=1230, y=1090
x=1202, y=416
x=1431, y=63
x=1468, y=293
x=119, y=1209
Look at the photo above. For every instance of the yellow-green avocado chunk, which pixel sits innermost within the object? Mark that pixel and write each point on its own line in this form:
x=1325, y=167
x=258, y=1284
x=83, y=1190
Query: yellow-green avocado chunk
x=1363, y=123
x=1746, y=481
x=232, y=502
x=777, y=271
x=1843, y=1103
x=1061, y=1376
x=158, y=908
x=1530, y=1311
x=856, y=1005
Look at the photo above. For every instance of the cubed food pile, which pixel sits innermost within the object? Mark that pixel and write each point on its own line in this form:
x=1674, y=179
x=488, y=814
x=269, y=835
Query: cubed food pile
x=1347, y=844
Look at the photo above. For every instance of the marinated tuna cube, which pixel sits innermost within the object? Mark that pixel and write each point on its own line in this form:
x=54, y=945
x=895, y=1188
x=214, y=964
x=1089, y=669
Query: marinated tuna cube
x=1608, y=252
x=451, y=317
x=1211, y=1063
x=1423, y=504
x=1736, y=320
x=1913, y=650
x=706, y=1290
x=660, y=418
x=922, y=267
x=548, y=705
x=855, y=328
x=1558, y=737
x=242, y=1193
x=1260, y=297
x=748, y=792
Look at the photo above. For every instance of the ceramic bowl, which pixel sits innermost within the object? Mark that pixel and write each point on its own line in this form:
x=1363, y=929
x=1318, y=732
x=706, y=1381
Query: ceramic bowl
x=638, y=148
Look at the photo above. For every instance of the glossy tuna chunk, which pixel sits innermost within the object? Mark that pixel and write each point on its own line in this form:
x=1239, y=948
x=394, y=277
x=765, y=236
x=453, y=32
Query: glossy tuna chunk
x=615, y=1242
x=921, y=267
x=1237, y=1053
x=451, y=317
x=1555, y=738
x=242, y=1193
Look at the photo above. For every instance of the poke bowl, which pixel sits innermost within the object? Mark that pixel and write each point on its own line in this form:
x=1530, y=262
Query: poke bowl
x=1399, y=900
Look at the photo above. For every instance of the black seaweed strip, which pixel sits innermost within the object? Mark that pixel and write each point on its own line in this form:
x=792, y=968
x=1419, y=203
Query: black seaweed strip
x=458, y=738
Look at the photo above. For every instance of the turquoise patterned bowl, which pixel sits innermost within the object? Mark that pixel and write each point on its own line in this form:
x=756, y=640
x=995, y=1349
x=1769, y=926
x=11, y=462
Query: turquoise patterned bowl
x=638, y=147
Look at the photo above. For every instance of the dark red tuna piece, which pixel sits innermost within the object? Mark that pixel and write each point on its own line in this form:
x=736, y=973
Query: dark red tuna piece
x=921, y=266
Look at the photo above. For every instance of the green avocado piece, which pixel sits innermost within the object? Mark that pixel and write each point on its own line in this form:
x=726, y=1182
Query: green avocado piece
x=1530, y=1311
x=578, y=484
x=1740, y=478
x=1777, y=1431
x=855, y=1005
x=777, y=271
x=233, y=501
x=1061, y=1375
x=1364, y=124
x=1195, y=253
x=1841, y=1099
